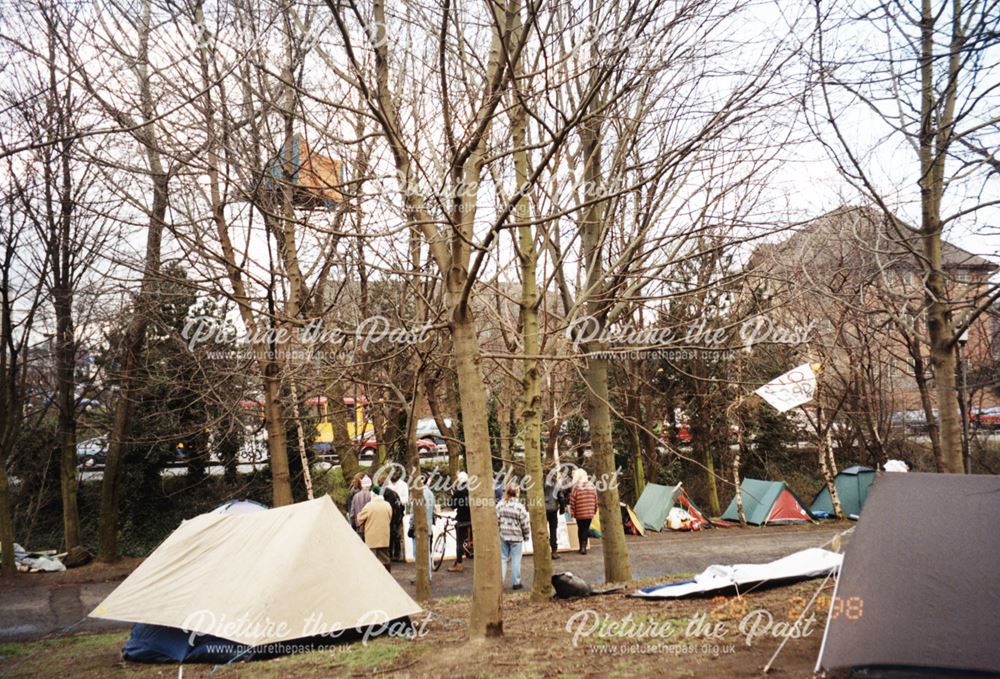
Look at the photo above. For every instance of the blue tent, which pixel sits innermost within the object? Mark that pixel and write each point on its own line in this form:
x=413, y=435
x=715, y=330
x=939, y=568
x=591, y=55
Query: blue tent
x=239, y=507
x=156, y=643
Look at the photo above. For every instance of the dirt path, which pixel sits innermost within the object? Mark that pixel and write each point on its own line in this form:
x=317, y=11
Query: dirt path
x=657, y=555
x=41, y=605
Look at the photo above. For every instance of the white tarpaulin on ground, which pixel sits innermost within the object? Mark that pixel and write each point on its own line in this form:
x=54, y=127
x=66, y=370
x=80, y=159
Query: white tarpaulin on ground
x=809, y=563
x=792, y=389
x=261, y=578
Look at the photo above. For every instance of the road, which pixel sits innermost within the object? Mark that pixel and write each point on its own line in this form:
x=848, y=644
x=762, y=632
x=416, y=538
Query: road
x=215, y=468
x=41, y=610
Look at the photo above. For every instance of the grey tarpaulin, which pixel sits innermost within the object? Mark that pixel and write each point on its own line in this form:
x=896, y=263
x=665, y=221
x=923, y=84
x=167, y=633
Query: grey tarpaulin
x=920, y=584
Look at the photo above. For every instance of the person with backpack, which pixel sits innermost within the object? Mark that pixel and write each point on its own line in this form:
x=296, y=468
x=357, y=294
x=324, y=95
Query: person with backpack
x=583, y=506
x=515, y=528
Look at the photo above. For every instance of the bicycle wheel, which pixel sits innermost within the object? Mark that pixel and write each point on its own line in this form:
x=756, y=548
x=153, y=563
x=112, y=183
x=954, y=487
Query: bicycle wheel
x=437, y=552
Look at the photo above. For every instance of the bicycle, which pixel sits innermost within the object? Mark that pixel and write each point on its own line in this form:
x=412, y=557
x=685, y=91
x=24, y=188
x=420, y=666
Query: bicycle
x=441, y=541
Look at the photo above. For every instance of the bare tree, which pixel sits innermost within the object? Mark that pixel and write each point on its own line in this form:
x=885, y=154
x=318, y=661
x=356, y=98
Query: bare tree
x=22, y=288
x=927, y=81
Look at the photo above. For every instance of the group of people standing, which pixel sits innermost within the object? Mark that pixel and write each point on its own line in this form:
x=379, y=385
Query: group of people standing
x=376, y=513
x=580, y=496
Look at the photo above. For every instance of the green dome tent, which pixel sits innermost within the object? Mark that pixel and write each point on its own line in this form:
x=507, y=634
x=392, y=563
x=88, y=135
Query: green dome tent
x=656, y=501
x=852, y=491
x=768, y=502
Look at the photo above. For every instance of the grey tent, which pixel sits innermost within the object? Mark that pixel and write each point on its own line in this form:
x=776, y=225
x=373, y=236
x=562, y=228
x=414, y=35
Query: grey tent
x=768, y=502
x=919, y=588
x=852, y=490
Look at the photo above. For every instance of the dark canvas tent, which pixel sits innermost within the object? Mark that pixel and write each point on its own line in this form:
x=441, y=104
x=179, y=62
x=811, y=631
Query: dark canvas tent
x=656, y=501
x=629, y=520
x=852, y=490
x=919, y=587
x=768, y=502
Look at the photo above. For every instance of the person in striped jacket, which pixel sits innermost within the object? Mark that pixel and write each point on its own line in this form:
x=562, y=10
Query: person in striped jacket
x=582, y=506
x=514, y=531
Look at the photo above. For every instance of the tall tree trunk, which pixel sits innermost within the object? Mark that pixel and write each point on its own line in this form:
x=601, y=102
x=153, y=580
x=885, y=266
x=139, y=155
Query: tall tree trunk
x=7, y=564
x=453, y=262
x=300, y=434
x=66, y=369
x=421, y=529
x=60, y=204
x=277, y=440
x=638, y=469
x=503, y=422
x=616, y=563
x=132, y=350
x=135, y=334
x=531, y=381
x=486, y=619
x=12, y=386
x=823, y=429
x=342, y=443
x=634, y=401
x=923, y=389
x=267, y=354
x=702, y=438
x=937, y=119
x=708, y=459
x=737, y=458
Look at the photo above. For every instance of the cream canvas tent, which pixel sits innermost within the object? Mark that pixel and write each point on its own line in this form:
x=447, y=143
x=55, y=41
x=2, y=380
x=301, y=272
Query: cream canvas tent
x=261, y=578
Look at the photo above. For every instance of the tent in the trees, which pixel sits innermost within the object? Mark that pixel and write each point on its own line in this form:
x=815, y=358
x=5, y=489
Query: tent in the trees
x=315, y=179
x=258, y=584
x=852, y=490
x=768, y=502
x=668, y=506
x=919, y=589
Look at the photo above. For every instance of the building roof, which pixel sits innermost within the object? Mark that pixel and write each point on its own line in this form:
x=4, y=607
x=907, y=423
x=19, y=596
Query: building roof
x=862, y=236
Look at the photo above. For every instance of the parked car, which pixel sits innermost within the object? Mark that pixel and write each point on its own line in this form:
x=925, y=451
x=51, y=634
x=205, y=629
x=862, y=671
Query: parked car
x=92, y=452
x=913, y=420
x=985, y=418
x=425, y=446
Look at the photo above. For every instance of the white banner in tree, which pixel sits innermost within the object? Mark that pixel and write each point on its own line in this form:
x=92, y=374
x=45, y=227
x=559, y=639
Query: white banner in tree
x=792, y=389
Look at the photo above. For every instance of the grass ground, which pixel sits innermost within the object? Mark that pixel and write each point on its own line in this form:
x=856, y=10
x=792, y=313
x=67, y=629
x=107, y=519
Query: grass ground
x=627, y=638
